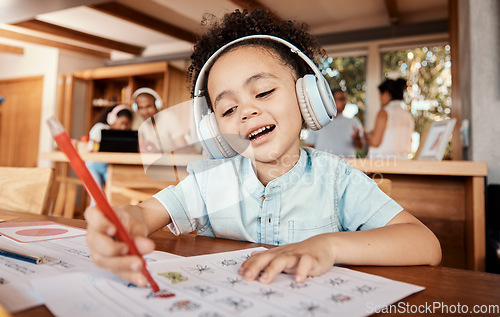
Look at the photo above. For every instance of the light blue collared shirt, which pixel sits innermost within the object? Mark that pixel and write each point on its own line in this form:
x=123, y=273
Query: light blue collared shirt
x=321, y=193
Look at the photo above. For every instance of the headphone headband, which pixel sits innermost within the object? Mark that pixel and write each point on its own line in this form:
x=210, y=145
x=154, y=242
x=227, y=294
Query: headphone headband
x=201, y=76
x=113, y=114
x=318, y=100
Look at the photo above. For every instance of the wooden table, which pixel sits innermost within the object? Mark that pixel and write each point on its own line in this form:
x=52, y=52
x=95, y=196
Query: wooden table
x=445, y=286
x=447, y=196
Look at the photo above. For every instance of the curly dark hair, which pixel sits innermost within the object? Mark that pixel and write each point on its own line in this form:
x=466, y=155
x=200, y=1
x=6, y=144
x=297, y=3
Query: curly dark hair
x=243, y=23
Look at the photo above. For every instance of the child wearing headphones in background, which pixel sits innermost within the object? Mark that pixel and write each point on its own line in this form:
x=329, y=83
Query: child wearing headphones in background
x=118, y=117
x=252, y=95
x=159, y=132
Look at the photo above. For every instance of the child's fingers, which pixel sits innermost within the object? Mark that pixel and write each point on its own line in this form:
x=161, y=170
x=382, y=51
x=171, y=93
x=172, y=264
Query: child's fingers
x=127, y=267
x=304, y=268
x=104, y=245
x=279, y=264
x=251, y=268
x=144, y=245
x=98, y=222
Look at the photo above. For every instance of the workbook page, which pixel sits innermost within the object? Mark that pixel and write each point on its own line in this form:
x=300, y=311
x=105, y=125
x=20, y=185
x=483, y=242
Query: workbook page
x=209, y=285
x=58, y=257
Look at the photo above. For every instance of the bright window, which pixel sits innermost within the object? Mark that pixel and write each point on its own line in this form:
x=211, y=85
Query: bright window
x=348, y=74
x=428, y=72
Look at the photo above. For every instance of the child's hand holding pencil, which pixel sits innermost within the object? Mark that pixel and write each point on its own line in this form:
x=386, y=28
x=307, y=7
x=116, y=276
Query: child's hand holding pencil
x=112, y=254
x=109, y=223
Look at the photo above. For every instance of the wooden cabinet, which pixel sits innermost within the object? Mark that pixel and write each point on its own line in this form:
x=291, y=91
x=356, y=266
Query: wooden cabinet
x=83, y=95
x=87, y=93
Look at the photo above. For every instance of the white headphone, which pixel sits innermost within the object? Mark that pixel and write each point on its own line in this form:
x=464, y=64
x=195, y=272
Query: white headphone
x=149, y=91
x=313, y=93
x=113, y=114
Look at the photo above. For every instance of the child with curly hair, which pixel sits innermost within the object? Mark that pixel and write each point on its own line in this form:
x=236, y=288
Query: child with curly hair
x=252, y=96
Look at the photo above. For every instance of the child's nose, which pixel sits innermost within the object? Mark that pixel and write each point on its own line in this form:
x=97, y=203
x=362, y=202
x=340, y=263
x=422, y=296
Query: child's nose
x=249, y=112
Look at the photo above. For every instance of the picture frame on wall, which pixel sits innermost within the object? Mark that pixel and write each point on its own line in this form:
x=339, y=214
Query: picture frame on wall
x=436, y=139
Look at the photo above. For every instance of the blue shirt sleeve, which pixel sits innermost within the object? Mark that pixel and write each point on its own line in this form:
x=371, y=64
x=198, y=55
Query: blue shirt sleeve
x=185, y=205
x=362, y=204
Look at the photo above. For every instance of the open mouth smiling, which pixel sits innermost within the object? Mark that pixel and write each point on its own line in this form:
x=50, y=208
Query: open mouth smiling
x=260, y=132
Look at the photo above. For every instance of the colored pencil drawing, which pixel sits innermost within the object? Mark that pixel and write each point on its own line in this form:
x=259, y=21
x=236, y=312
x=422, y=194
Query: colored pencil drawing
x=310, y=309
x=200, y=269
x=174, y=277
x=365, y=289
x=340, y=298
x=295, y=285
x=237, y=304
x=232, y=281
x=184, y=305
x=229, y=262
x=269, y=293
x=337, y=281
x=204, y=290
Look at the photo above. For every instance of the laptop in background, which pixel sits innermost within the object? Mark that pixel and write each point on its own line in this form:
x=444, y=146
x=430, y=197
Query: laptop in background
x=119, y=141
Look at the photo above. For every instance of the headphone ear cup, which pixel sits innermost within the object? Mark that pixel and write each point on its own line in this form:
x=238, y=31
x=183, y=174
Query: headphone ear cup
x=304, y=106
x=212, y=140
x=224, y=148
x=311, y=104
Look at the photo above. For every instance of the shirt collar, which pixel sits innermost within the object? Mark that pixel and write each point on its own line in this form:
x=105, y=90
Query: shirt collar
x=277, y=185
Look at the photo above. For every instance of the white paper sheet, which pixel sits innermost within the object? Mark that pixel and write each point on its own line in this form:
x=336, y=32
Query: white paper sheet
x=210, y=286
x=59, y=257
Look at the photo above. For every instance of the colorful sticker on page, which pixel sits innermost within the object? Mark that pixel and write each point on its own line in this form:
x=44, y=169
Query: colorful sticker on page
x=38, y=231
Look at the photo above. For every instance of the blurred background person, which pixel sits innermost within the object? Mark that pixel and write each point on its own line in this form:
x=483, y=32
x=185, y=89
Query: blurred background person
x=391, y=136
x=114, y=118
x=159, y=131
x=343, y=136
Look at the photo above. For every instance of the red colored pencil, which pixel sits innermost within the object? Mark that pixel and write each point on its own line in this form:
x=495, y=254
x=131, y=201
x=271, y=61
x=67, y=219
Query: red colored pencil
x=78, y=165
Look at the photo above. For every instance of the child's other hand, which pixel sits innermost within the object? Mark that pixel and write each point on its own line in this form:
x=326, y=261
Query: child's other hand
x=111, y=254
x=310, y=257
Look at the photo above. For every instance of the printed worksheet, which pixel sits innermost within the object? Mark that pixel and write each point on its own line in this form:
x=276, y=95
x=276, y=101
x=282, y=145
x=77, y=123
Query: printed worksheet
x=209, y=286
x=59, y=257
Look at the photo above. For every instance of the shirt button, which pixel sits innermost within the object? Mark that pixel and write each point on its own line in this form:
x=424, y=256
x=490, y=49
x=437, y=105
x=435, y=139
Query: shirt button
x=263, y=198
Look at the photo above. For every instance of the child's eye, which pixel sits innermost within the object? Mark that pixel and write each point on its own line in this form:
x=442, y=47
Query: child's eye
x=229, y=111
x=265, y=94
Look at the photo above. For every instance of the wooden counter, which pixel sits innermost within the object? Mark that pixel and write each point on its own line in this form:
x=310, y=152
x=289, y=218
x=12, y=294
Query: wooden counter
x=448, y=196
x=128, y=158
x=147, y=173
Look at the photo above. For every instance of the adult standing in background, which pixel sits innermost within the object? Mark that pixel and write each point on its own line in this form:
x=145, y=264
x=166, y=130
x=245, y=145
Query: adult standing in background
x=160, y=131
x=342, y=136
x=391, y=136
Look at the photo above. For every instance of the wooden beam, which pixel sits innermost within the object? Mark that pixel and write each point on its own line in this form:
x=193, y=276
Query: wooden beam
x=11, y=49
x=37, y=40
x=392, y=10
x=251, y=5
x=126, y=13
x=384, y=33
x=54, y=29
